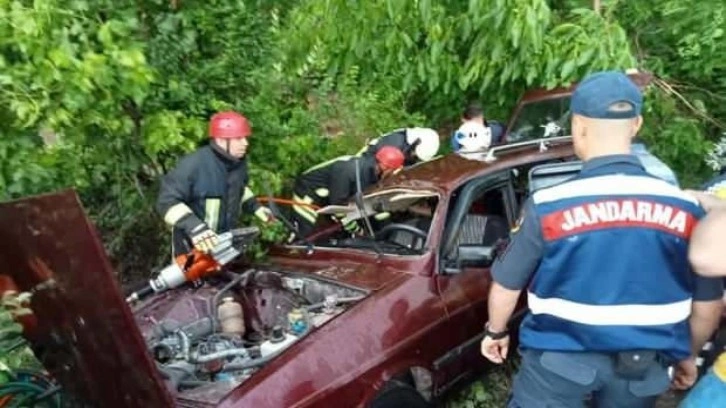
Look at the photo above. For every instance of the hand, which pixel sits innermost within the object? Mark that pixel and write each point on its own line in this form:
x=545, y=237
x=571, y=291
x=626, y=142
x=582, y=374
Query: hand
x=265, y=215
x=205, y=240
x=495, y=350
x=684, y=374
x=708, y=201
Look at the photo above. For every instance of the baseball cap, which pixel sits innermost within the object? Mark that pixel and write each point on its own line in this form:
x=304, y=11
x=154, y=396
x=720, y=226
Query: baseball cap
x=607, y=95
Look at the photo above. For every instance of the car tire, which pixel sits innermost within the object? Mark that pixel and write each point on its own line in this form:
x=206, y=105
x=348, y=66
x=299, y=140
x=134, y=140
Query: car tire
x=398, y=394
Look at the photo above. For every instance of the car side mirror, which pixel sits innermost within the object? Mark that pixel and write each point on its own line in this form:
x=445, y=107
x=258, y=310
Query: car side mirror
x=471, y=256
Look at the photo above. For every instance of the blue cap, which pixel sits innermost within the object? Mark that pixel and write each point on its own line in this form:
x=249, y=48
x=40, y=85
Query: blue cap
x=607, y=95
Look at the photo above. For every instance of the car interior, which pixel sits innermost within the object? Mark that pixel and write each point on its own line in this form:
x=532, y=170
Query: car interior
x=401, y=231
x=484, y=209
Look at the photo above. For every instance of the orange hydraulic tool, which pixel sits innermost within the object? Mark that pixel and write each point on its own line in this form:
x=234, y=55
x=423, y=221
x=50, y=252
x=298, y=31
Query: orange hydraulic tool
x=196, y=265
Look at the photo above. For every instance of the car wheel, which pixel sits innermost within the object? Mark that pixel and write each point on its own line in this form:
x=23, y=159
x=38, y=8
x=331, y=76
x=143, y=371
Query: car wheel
x=398, y=394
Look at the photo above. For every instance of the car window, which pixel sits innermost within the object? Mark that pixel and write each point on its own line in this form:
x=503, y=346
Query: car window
x=476, y=220
x=541, y=119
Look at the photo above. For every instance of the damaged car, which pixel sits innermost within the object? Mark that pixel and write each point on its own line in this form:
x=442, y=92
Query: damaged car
x=389, y=317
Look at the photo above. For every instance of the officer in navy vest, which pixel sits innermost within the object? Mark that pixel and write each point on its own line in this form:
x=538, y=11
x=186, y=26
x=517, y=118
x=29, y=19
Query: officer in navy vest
x=613, y=301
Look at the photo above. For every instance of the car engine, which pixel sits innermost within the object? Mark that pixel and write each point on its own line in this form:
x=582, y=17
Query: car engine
x=211, y=338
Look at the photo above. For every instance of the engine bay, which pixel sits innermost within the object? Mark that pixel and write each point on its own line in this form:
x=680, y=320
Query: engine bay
x=207, y=340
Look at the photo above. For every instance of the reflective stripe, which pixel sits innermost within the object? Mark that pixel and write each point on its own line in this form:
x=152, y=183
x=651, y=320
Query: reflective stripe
x=211, y=212
x=248, y=194
x=322, y=192
x=263, y=214
x=382, y=216
x=305, y=211
x=176, y=213
x=610, y=186
x=331, y=161
x=611, y=315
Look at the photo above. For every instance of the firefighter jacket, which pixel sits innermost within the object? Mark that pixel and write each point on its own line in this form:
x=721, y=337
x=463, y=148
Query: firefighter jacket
x=397, y=138
x=334, y=182
x=206, y=186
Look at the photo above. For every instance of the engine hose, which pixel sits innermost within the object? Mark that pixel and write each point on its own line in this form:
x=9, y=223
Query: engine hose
x=252, y=363
x=219, y=354
x=192, y=383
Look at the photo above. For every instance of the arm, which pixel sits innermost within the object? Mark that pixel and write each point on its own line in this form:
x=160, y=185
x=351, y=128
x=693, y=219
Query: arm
x=174, y=192
x=706, y=250
x=705, y=319
x=510, y=273
x=343, y=177
x=705, y=311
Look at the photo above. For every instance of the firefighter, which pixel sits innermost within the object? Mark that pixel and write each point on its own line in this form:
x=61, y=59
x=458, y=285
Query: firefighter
x=201, y=196
x=612, y=299
x=334, y=183
x=417, y=144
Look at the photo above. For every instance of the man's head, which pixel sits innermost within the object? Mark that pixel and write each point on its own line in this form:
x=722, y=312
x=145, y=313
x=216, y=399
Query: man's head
x=606, y=115
x=229, y=130
x=388, y=160
x=473, y=113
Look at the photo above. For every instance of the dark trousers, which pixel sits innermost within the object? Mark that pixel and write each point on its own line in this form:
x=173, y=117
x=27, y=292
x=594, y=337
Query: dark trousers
x=548, y=379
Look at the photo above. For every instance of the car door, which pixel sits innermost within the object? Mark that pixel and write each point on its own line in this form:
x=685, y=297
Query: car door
x=479, y=215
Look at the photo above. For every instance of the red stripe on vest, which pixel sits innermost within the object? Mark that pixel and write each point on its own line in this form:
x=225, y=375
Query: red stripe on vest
x=627, y=213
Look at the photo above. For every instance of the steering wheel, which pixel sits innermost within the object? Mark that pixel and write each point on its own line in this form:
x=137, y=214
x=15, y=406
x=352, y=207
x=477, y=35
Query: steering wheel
x=390, y=228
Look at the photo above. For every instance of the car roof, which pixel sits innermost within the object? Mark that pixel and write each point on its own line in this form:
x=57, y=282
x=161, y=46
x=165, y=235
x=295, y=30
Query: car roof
x=446, y=173
x=641, y=79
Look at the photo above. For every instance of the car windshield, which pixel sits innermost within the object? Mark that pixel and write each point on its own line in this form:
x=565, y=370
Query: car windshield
x=541, y=119
x=400, y=219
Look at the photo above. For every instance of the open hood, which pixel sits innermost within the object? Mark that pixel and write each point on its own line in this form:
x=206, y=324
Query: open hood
x=85, y=333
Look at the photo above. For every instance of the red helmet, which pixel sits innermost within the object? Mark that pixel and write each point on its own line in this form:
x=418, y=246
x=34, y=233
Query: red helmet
x=390, y=158
x=229, y=125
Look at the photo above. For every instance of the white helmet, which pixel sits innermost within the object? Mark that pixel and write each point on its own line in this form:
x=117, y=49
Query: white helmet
x=472, y=137
x=428, y=142
x=716, y=158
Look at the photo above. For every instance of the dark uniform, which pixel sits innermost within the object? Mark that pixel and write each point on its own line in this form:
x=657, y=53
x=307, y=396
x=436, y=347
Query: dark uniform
x=397, y=139
x=207, y=186
x=329, y=183
x=604, y=259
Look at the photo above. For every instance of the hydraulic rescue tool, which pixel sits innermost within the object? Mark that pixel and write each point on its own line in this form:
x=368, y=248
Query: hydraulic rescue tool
x=195, y=265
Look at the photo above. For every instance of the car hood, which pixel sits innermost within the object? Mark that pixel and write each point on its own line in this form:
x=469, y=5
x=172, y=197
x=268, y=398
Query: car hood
x=83, y=328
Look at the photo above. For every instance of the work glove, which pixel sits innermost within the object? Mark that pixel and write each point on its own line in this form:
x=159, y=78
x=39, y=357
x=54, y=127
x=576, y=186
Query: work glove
x=265, y=215
x=203, y=238
x=352, y=227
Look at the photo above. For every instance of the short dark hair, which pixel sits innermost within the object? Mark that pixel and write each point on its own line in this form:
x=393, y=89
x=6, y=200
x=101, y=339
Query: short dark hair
x=472, y=111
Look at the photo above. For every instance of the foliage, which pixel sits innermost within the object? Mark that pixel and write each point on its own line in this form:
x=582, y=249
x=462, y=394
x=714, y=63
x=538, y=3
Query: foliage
x=13, y=352
x=684, y=44
x=105, y=96
x=492, y=48
x=491, y=391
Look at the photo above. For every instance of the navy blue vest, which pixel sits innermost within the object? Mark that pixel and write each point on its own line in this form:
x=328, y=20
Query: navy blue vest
x=615, y=274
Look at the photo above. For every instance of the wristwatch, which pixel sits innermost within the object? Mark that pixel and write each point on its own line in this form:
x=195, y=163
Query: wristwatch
x=495, y=335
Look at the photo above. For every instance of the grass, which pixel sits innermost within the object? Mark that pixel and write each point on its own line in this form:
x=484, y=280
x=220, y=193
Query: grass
x=490, y=390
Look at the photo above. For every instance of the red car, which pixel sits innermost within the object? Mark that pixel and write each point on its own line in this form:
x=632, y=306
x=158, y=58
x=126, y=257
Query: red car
x=391, y=318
